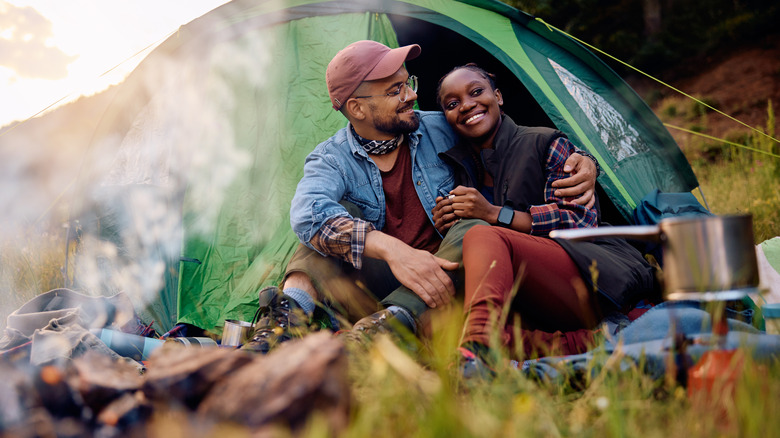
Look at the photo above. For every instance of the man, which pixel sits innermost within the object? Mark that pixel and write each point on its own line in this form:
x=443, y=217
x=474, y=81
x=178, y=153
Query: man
x=363, y=209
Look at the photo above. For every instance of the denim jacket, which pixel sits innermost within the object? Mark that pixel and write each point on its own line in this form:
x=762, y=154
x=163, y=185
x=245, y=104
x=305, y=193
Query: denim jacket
x=339, y=169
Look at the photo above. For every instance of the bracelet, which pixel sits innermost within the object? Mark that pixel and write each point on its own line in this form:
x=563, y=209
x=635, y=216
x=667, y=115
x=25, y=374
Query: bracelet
x=595, y=161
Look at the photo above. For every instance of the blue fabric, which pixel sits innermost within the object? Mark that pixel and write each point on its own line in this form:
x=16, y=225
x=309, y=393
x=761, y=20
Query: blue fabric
x=649, y=340
x=340, y=170
x=685, y=317
x=656, y=206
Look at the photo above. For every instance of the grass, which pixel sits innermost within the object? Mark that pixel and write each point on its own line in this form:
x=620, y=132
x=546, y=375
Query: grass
x=606, y=402
x=725, y=185
x=31, y=261
x=740, y=180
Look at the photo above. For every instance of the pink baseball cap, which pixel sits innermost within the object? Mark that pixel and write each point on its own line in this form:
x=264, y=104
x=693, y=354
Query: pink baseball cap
x=363, y=61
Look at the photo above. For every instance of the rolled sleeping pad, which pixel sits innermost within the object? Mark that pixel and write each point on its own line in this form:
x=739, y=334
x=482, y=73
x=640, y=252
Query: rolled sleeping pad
x=139, y=347
x=127, y=345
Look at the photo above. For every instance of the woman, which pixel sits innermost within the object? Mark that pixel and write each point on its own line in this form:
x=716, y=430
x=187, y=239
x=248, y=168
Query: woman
x=504, y=175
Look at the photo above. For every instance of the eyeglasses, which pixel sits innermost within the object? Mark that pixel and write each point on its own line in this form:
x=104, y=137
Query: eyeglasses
x=410, y=84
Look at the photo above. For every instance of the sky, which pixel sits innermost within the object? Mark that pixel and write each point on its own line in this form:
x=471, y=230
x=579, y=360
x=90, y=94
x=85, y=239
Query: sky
x=58, y=50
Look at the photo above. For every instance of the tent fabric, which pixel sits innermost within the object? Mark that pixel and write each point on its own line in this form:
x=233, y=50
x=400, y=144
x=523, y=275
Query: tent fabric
x=247, y=80
x=258, y=200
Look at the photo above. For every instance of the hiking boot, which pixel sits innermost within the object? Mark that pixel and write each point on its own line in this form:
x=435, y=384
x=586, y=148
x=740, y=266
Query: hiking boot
x=278, y=319
x=390, y=320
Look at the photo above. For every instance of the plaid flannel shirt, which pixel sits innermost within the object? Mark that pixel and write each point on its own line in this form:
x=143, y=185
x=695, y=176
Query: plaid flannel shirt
x=343, y=237
x=558, y=212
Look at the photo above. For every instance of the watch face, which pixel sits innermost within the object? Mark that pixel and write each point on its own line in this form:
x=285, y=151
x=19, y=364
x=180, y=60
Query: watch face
x=505, y=215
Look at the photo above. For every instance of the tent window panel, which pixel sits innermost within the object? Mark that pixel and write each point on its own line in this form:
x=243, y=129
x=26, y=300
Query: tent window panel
x=621, y=139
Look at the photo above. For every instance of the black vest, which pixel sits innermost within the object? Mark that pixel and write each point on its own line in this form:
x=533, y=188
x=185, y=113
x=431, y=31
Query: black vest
x=521, y=184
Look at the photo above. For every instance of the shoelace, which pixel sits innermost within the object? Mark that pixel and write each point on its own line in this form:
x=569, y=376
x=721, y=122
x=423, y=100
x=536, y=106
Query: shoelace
x=278, y=313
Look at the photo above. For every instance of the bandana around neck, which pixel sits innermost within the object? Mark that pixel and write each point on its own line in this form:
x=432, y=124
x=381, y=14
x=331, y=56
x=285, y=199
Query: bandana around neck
x=377, y=147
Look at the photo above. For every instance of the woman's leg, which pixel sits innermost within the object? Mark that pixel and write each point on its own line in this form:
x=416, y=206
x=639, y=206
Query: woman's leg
x=549, y=293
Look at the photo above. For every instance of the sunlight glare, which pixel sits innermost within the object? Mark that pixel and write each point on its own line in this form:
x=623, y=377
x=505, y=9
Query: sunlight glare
x=99, y=39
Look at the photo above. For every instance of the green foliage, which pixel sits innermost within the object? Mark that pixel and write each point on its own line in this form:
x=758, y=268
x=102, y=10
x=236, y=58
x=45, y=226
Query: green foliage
x=669, y=109
x=700, y=108
x=768, y=144
x=734, y=179
x=745, y=183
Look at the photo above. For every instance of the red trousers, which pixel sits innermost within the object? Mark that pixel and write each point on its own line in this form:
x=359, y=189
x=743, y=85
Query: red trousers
x=525, y=293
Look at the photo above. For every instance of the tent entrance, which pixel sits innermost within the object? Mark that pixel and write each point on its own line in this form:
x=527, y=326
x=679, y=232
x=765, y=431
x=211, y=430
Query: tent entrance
x=443, y=49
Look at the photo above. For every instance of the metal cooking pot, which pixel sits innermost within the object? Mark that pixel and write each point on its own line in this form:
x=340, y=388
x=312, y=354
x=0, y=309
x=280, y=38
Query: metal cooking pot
x=710, y=258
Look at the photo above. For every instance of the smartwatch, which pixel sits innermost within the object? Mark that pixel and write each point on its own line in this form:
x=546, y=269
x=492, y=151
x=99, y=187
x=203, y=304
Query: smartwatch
x=505, y=216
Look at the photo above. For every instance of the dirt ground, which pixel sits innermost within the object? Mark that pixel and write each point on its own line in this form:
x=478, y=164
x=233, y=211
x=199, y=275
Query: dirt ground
x=739, y=82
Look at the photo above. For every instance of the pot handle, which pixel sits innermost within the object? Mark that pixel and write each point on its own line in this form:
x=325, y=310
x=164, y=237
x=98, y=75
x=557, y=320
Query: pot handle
x=641, y=232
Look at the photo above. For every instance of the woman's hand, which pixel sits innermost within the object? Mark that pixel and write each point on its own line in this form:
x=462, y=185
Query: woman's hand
x=468, y=203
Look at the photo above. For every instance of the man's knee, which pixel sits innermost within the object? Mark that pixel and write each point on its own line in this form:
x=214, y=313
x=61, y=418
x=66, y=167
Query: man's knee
x=451, y=247
x=455, y=234
x=308, y=269
x=300, y=280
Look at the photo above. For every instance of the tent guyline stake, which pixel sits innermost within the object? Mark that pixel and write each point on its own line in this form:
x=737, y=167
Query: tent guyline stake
x=722, y=140
x=98, y=77
x=551, y=27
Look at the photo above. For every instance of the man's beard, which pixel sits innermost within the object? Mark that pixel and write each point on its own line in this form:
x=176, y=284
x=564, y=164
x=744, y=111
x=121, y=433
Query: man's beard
x=395, y=125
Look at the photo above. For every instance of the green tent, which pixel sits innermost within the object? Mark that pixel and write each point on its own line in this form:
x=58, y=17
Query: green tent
x=211, y=131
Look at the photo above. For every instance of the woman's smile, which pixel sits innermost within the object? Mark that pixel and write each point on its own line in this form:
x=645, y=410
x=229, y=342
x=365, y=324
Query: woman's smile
x=471, y=106
x=475, y=118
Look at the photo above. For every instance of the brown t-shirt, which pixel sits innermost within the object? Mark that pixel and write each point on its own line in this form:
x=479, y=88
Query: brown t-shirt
x=406, y=217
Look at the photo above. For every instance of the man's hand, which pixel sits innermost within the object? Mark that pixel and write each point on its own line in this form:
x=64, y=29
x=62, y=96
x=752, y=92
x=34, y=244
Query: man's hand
x=582, y=182
x=443, y=215
x=419, y=270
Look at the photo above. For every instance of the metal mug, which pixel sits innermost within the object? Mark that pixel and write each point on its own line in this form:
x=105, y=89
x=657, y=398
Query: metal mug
x=705, y=258
x=236, y=333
